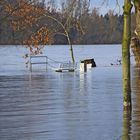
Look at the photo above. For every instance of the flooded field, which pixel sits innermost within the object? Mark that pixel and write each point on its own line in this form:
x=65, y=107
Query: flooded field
x=45, y=105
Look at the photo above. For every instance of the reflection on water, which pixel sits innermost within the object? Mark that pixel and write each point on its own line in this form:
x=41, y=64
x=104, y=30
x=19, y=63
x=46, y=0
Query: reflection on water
x=126, y=126
x=60, y=106
x=136, y=104
x=131, y=121
x=66, y=106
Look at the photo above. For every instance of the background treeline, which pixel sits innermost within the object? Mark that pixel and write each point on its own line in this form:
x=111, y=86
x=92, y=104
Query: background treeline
x=95, y=28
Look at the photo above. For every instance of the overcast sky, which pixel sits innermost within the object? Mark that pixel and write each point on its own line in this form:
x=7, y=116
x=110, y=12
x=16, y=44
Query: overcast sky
x=105, y=5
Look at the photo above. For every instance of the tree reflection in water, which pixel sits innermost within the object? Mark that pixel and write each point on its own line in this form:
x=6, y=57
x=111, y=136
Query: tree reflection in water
x=126, y=125
x=131, y=121
x=136, y=104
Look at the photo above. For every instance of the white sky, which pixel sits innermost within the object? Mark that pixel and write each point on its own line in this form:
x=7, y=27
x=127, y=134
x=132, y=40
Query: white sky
x=103, y=5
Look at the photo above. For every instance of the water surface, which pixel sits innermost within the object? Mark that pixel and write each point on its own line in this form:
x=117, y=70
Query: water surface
x=45, y=105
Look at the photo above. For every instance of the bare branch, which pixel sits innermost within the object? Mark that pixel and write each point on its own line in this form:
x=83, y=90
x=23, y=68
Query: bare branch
x=118, y=5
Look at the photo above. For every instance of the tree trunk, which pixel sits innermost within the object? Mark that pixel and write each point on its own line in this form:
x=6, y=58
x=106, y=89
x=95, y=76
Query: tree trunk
x=67, y=35
x=126, y=126
x=135, y=41
x=126, y=54
x=137, y=11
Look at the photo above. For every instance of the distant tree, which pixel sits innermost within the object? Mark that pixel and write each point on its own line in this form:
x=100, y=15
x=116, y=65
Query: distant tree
x=83, y=26
x=32, y=22
x=24, y=16
x=51, y=4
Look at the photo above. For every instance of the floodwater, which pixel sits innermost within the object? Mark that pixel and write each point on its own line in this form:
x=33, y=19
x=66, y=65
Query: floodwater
x=46, y=105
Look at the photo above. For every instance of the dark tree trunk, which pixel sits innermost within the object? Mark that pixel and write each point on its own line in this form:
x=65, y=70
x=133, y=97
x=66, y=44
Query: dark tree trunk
x=135, y=41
